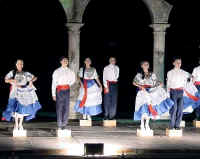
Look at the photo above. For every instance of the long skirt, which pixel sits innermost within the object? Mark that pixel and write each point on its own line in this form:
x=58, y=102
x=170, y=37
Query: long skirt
x=152, y=102
x=22, y=101
x=191, y=98
x=90, y=99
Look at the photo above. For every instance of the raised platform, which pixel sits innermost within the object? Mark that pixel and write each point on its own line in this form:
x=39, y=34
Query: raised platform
x=85, y=122
x=122, y=140
x=144, y=133
x=19, y=133
x=109, y=123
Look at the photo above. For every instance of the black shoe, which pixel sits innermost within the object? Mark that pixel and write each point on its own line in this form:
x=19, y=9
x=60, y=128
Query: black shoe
x=171, y=128
x=111, y=118
x=64, y=127
x=178, y=128
x=105, y=118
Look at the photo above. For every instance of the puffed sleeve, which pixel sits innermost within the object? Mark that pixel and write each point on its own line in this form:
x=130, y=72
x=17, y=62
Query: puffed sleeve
x=9, y=75
x=155, y=80
x=29, y=76
x=95, y=75
x=137, y=79
x=54, y=84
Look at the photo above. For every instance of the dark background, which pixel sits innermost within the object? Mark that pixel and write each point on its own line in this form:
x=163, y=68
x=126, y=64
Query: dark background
x=34, y=30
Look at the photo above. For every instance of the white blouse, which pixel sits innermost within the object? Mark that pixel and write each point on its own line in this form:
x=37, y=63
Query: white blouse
x=151, y=80
x=22, y=78
x=89, y=74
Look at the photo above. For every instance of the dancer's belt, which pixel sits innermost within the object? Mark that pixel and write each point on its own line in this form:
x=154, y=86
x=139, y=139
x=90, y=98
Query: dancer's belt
x=197, y=83
x=108, y=85
x=112, y=82
x=177, y=89
x=146, y=86
x=62, y=87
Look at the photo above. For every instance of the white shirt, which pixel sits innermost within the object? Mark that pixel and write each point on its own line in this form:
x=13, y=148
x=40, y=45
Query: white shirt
x=110, y=73
x=62, y=76
x=196, y=74
x=177, y=78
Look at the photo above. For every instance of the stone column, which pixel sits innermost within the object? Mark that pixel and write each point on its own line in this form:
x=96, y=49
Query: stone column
x=74, y=55
x=159, y=31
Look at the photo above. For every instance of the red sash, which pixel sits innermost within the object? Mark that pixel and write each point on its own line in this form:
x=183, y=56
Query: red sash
x=62, y=87
x=194, y=98
x=197, y=83
x=85, y=94
x=108, y=85
x=152, y=111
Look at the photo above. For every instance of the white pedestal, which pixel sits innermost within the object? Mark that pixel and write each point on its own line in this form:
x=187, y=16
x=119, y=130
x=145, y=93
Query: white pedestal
x=85, y=122
x=196, y=124
x=109, y=123
x=64, y=133
x=174, y=133
x=182, y=124
x=144, y=133
x=19, y=133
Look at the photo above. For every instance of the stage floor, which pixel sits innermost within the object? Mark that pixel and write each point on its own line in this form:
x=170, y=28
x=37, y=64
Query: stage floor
x=118, y=141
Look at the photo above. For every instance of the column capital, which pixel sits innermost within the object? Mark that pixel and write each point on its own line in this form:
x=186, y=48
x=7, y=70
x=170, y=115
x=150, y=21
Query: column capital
x=74, y=27
x=159, y=27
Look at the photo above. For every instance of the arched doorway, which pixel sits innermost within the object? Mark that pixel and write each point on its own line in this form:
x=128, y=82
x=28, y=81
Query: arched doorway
x=113, y=28
x=31, y=31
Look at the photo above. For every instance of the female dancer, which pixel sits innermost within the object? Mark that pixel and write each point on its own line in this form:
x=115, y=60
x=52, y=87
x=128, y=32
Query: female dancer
x=23, y=101
x=90, y=98
x=151, y=100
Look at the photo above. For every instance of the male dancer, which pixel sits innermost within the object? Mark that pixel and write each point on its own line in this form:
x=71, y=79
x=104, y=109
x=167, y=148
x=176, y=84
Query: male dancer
x=110, y=79
x=176, y=81
x=196, y=81
x=63, y=78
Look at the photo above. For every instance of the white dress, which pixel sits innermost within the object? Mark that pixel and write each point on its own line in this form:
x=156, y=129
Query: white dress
x=22, y=100
x=154, y=101
x=90, y=98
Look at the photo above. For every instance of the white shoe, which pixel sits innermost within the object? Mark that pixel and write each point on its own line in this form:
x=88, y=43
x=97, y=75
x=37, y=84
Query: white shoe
x=15, y=128
x=142, y=127
x=21, y=127
x=147, y=127
x=89, y=117
x=84, y=117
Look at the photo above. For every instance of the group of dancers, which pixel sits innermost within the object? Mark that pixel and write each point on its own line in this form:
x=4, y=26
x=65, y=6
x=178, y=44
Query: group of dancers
x=152, y=100
x=182, y=95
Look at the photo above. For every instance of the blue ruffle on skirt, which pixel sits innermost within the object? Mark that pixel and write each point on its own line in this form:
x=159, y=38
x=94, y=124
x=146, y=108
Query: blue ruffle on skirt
x=14, y=106
x=162, y=108
x=188, y=102
x=92, y=110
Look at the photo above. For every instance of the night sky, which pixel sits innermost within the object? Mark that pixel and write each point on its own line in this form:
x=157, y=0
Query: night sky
x=34, y=31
